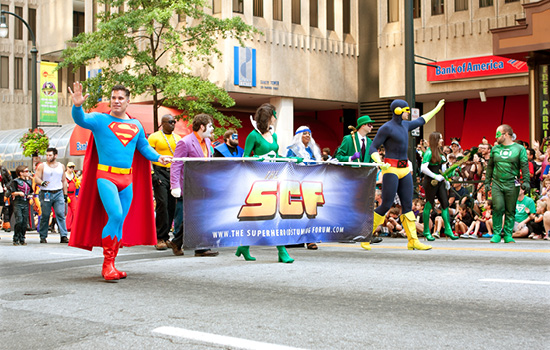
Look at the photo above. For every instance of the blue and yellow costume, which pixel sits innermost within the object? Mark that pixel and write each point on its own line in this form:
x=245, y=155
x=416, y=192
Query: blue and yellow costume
x=397, y=178
x=116, y=141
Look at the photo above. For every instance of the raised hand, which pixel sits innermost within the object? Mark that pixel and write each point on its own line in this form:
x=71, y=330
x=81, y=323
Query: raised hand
x=76, y=94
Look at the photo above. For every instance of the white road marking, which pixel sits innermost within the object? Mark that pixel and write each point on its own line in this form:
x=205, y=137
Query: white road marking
x=221, y=339
x=514, y=281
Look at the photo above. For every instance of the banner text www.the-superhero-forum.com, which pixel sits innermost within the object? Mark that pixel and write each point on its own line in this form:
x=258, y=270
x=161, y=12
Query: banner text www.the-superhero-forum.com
x=277, y=232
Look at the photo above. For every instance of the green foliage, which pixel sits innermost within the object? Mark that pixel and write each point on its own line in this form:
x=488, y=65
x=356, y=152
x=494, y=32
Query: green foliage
x=148, y=51
x=34, y=142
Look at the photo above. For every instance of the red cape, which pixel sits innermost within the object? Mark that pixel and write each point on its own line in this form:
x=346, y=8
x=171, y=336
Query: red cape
x=139, y=227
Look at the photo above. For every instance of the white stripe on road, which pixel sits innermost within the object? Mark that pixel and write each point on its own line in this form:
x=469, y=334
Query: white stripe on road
x=221, y=339
x=514, y=281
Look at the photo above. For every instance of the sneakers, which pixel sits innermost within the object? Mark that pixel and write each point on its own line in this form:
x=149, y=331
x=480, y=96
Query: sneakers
x=161, y=245
x=436, y=235
x=64, y=239
x=487, y=235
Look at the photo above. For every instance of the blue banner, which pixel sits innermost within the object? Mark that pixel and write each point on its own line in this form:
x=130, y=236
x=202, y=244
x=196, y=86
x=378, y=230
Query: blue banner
x=232, y=203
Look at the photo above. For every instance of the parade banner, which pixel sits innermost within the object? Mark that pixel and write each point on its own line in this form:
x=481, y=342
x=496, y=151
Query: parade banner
x=48, y=92
x=236, y=203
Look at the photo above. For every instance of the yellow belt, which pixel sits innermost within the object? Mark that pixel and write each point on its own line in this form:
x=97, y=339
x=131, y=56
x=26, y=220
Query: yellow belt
x=114, y=169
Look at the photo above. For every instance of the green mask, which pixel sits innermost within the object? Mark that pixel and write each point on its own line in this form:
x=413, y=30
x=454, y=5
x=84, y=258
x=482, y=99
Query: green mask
x=499, y=134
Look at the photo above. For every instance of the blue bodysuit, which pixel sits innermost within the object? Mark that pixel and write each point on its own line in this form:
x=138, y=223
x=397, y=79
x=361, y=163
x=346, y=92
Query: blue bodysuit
x=116, y=141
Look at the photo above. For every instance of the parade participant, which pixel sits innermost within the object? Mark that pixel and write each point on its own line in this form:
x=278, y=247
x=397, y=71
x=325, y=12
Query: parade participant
x=116, y=176
x=304, y=146
x=230, y=147
x=503, y=172
x=164, y=142
x=355, y=147
x=433, y=164
x=195, y=145
x=397, y=177
x=73, y=183
x=53, y=192
x=20, y=190
x=263, y=141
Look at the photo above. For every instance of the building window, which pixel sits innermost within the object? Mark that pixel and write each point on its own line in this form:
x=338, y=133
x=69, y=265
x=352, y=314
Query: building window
x=314, y=13
x=330, y=14
x=278, y=10
x=258, y=8
x=346, y=11
x=94, y=15
x=32, y=21
x=461, y=5
x=18, y=32
x=216, y=6
x=438, y=7
x=509, y=1
x=4, y=69
x=18, y=74
x=29, y=75
x=5, y=8
x=417, y=9
x=296, y=12
x=78, y=23
x=485, y=3
x=393, y=11
x=60, y=79
x=238, y=6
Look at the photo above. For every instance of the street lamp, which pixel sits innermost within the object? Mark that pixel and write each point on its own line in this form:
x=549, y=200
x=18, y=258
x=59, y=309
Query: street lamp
x=34, y=52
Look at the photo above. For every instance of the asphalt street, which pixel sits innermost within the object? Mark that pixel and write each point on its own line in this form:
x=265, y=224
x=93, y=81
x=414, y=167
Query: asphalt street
x=465, y=294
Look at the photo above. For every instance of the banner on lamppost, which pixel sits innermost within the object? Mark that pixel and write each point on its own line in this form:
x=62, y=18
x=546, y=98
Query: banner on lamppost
x=48, y=92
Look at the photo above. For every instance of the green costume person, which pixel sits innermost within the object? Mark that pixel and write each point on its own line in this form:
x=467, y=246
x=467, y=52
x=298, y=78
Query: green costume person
x=263, y=141
x=356, y=145
x=503, y=170
x=433, y=164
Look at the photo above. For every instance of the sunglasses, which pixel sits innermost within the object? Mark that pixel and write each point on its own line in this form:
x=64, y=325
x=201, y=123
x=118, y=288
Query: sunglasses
x=172, y=122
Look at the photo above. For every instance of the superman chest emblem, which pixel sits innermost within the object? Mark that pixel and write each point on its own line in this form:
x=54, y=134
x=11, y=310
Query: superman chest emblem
x=124, y=132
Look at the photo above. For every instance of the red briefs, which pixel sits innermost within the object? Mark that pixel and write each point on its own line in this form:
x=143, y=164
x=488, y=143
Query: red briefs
x=121, y=181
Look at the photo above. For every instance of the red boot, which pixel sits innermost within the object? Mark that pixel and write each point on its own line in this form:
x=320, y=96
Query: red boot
x=110, y=251
x=121, y=274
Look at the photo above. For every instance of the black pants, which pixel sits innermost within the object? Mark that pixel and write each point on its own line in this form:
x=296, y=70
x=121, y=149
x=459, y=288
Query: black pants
x=21, y=212
x=165, y=202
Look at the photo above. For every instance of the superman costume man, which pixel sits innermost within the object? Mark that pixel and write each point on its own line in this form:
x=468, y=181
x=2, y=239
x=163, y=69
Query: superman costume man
x=397, y=178
x=113, y=177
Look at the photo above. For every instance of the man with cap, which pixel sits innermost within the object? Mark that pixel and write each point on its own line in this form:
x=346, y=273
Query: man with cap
x=397, y=177
x=355, y=147
x=73, y=183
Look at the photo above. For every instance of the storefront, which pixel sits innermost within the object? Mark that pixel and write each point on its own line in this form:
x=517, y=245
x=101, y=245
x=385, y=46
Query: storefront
x=472, y=119
x=528, y=40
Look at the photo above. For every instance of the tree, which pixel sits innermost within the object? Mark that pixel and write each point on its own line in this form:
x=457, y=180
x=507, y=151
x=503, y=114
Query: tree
x=145, y=49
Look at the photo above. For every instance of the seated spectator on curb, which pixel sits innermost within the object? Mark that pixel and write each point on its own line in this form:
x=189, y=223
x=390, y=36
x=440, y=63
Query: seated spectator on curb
x=536, y=225
x=393, y=224
x=463, y=220
x=482, y=224
x=524, y=207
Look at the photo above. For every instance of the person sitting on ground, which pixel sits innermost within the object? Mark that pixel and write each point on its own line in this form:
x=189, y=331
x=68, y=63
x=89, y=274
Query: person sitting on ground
x=536, y=224
x=524, y=206
x=481, y=223
x=463, y=220
x=395, y=228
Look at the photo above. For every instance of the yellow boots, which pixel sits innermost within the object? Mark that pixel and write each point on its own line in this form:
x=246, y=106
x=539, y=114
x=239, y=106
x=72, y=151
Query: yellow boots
x=378, y=219
x=408, y=221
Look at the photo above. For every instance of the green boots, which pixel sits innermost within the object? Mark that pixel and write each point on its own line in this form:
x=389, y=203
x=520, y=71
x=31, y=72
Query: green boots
x=244, y=250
